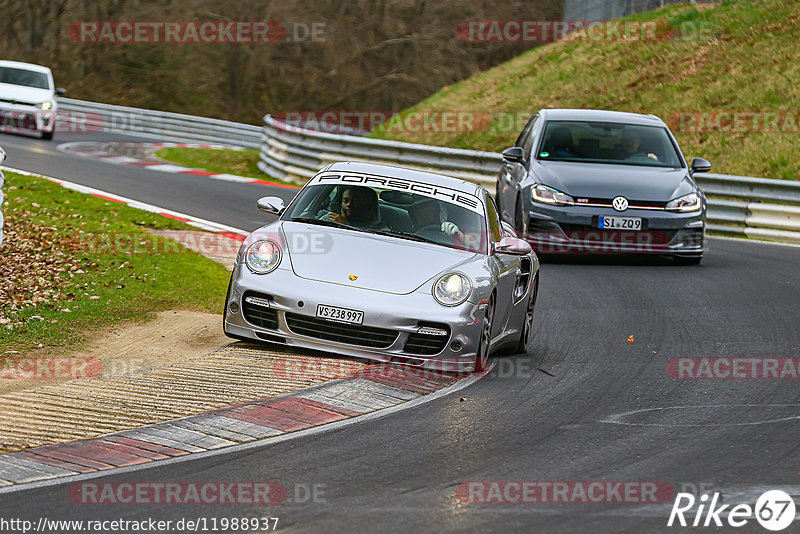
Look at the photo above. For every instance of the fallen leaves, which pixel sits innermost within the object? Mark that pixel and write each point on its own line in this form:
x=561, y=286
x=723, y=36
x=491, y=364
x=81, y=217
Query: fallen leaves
x=37, y=264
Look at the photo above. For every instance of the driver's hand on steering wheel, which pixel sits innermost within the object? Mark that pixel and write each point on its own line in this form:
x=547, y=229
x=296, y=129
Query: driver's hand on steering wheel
x=449, y=228
x=337, y=217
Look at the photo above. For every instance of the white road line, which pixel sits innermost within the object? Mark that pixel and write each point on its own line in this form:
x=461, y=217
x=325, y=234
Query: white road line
x=162, y=168
x=190, y=219
x=120, y=159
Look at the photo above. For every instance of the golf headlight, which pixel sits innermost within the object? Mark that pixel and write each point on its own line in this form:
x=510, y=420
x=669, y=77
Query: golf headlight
x=690, y=202
x=45, y=105
x=263, y=256
x=452, y=289
x=548, y=195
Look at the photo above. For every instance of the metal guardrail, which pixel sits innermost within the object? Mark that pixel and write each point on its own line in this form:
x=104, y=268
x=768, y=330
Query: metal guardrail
x=759, y=208
x=81, y=116
x=296, y=154
x=739, y=206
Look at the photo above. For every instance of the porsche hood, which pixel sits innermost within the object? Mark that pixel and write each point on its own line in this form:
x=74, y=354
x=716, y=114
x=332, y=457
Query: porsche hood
x=365, y=260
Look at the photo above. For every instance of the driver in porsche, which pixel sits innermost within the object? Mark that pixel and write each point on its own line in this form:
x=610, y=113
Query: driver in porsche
x=430, y=216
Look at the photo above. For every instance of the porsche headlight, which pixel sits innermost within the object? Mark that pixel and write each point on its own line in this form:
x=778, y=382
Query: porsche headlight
x=263, y=256
x=549, y=195
x=44, y=105
x=690, y=202
x=452, y=289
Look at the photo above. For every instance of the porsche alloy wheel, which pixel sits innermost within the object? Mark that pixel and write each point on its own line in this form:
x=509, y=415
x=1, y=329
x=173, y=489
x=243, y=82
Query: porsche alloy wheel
x=527, y=326
x=482, y=358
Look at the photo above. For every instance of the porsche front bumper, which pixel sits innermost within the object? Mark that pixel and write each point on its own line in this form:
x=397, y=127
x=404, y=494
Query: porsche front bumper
x=410, y=329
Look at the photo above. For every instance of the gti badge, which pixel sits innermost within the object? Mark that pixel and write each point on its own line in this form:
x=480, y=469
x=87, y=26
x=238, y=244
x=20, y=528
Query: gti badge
x=353, y=277
x=620, y=203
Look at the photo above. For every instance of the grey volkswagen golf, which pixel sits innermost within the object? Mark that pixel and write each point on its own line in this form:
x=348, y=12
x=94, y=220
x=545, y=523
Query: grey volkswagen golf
x=602, y=182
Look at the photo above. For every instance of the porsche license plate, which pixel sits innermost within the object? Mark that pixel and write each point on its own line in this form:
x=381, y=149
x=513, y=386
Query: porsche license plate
x=620, y=223
x=340, y=315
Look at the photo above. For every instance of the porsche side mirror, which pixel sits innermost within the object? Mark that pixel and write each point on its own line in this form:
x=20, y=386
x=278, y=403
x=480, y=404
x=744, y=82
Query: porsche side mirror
x=272, y=205
x=700, y=165
x=514, y=155
x=513, y=245
x=508, y=230
x=2, y=155
x=60, y=91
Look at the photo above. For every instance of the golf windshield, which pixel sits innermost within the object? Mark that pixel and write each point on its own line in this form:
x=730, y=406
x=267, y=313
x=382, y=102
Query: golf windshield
x=607, y=142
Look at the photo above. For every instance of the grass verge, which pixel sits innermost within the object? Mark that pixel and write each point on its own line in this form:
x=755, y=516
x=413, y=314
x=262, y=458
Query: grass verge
x=224, y=161
x=741, y=57
x=72, y=263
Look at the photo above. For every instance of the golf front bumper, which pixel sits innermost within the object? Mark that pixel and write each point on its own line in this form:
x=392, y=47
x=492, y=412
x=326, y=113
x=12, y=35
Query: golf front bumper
x=576, y=229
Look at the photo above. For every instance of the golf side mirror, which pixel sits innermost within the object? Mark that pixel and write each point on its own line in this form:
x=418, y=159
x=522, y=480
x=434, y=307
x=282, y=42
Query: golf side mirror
x=514, y=154
x=700, y=165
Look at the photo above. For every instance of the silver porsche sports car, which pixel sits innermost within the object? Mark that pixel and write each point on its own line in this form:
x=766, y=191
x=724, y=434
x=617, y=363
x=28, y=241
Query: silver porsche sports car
x=388, y=264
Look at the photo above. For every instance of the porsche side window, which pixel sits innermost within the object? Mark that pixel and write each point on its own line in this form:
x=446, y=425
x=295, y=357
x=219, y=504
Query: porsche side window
x=494, y=221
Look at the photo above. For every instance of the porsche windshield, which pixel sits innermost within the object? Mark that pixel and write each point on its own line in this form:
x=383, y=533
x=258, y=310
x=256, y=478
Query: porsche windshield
x=392, y=213
x=606, y=142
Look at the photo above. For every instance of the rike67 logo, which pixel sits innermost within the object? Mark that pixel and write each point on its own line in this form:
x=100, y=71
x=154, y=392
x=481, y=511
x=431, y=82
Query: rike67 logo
x=774, y=510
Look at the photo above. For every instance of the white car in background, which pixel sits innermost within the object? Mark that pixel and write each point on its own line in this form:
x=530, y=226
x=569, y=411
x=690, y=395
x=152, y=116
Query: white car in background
x=27, y=98
x=2, y=181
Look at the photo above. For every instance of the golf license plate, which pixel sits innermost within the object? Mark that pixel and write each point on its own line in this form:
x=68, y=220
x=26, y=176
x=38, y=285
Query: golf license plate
x=620, y=223
x=340, y=315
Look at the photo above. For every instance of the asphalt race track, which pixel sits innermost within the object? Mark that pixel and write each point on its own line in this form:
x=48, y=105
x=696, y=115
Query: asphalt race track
x=562, y=412
x=193, y=195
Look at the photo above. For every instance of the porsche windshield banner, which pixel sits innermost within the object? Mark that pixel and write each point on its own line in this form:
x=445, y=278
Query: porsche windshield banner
x=446, y=194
